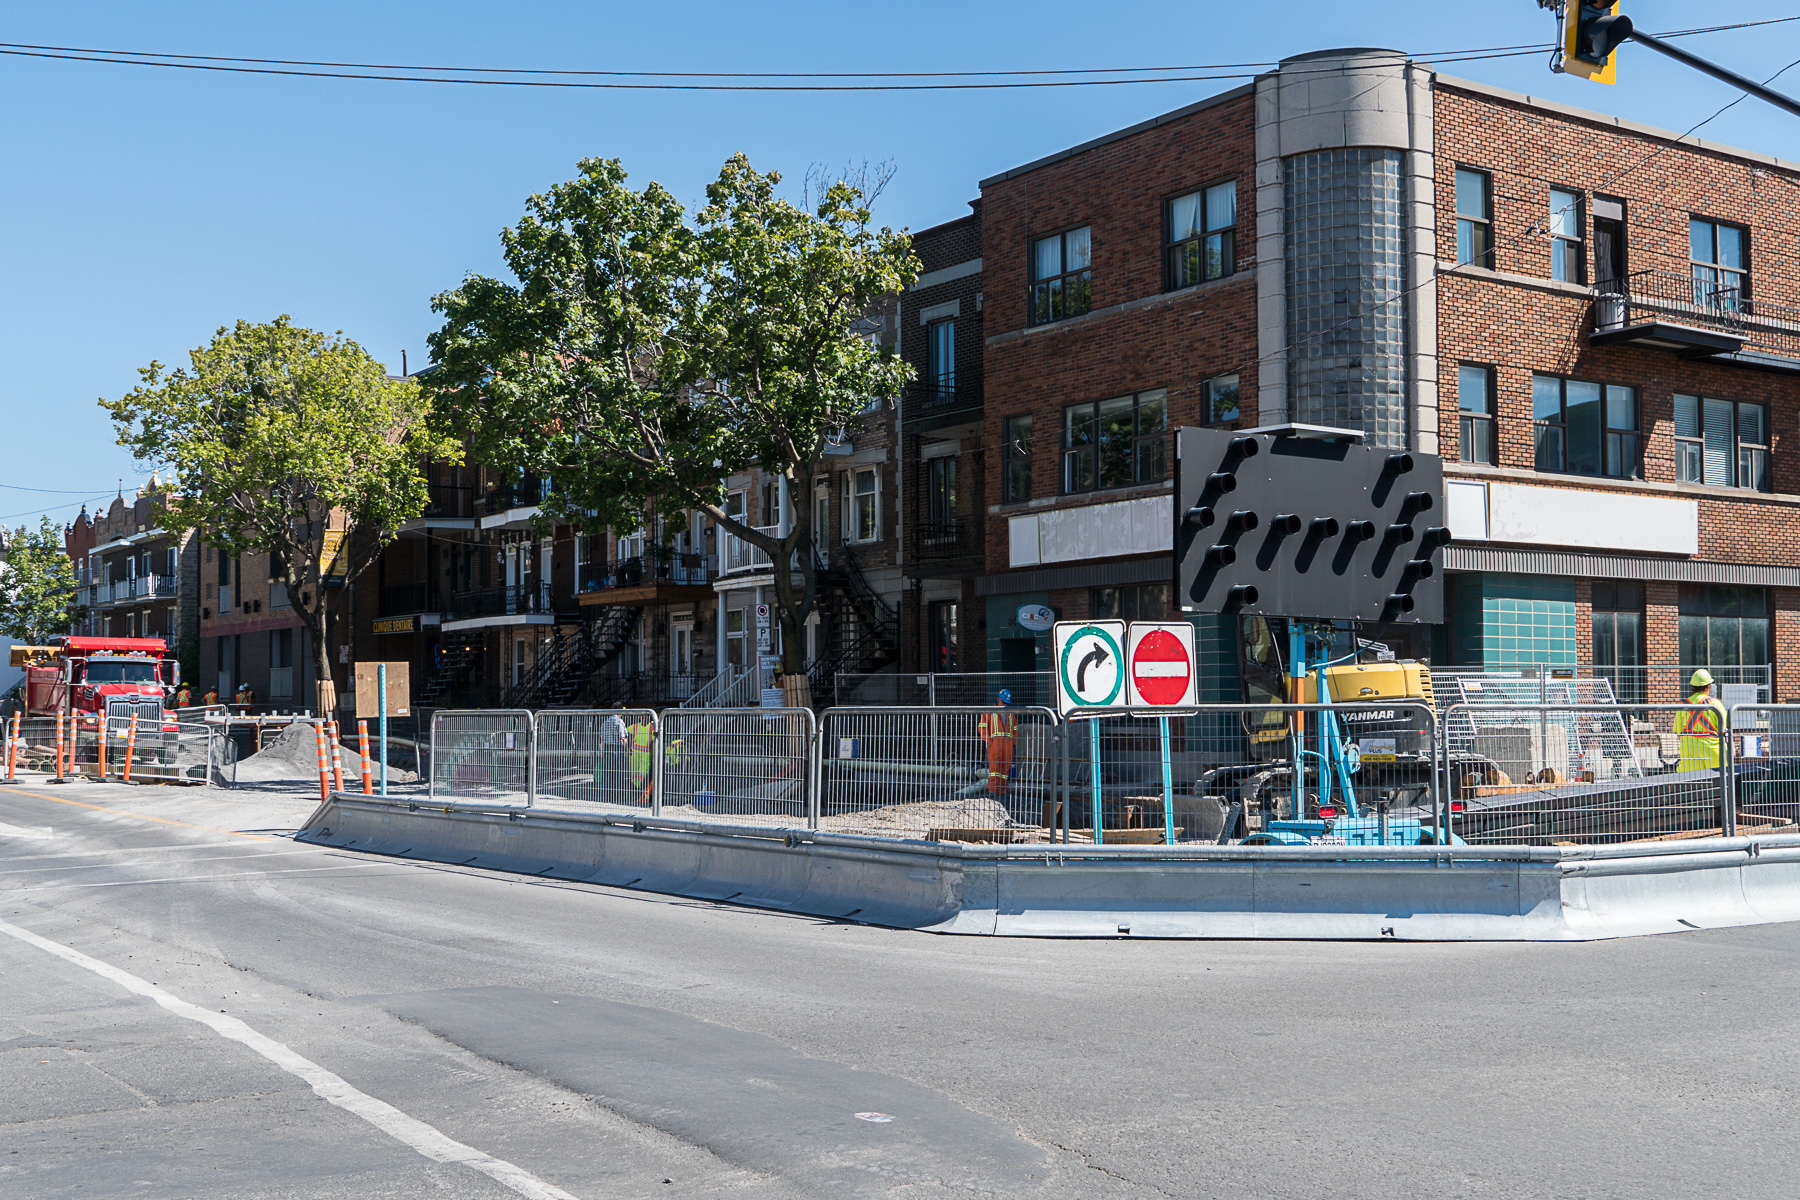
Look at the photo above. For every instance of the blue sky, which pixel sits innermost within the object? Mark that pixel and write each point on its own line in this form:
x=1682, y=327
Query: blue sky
x=146, y=207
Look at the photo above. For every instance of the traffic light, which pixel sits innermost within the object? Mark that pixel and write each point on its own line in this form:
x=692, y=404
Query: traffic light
x=1591, y=37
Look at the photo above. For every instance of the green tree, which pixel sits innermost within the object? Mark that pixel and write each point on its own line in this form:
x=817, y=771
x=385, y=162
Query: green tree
x=642, y=358
x=37, y=584
x=285, y=441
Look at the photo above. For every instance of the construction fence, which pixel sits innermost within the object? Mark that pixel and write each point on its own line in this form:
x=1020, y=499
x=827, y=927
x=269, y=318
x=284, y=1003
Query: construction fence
x=125, y=748
x=1496, y=770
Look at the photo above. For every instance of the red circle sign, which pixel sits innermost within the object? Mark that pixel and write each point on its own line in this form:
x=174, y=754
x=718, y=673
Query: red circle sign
x=1160, y=670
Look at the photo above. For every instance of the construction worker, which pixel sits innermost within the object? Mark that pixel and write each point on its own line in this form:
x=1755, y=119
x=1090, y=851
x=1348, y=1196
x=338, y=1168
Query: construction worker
x=211, y=698
x=1700, y=730
x=643, y=739
x=184, y=696
x=246, y=695
x=998, y=732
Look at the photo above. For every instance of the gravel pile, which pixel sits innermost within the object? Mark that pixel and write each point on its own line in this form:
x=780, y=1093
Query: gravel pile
x=293, y=756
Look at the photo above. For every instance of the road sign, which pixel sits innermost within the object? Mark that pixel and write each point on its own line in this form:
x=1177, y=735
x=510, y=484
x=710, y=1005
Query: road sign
x=1090, y=665
x=1161, y=665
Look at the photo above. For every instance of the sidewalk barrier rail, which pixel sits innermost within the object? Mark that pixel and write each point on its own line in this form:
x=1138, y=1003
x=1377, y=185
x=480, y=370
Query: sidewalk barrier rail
x=971, y=774
x=603, y=757
x=482, y=756
x=1521, y=773
x=754, y=765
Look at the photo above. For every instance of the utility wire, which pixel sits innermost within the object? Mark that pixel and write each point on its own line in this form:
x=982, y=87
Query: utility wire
x=112, y=55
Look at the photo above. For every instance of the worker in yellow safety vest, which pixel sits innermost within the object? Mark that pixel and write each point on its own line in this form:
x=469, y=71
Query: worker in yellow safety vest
x=643, y=738
x=1700, y=728
x=998, y=732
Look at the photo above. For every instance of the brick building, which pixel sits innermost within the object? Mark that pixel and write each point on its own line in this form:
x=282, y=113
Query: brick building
x=1597, y=328
x=135, y=578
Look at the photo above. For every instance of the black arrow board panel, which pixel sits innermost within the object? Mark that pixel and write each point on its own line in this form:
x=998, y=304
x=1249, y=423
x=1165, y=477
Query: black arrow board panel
x=1307, y=527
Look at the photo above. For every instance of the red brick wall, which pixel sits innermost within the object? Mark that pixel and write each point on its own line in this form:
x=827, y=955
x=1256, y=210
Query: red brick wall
x=1118, y=189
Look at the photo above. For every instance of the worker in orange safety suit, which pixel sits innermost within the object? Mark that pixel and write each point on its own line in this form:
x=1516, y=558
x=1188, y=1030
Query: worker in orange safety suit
x=999, y=732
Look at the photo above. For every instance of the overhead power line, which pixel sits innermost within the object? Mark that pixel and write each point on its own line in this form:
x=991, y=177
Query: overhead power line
x=734, y=81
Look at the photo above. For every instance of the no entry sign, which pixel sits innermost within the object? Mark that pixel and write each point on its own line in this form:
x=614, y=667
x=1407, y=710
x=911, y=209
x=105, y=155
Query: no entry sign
x=1161, y=665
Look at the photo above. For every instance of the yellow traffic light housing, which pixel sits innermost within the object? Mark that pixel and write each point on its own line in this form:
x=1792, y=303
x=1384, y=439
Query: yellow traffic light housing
x=1591, y=36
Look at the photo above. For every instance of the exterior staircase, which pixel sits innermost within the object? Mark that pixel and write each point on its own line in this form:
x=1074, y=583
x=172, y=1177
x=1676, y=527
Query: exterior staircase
x=457, y=666
x=862, y=630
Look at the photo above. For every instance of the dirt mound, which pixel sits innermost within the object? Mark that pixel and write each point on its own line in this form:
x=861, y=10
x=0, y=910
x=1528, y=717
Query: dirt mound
x=293, y=756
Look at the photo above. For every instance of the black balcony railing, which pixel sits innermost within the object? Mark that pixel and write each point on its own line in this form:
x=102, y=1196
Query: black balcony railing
x=398, y=599
x=1701, y=302
x=450, y=500
x=500, y=601
x=637, y=570
x=929, y=397
x=526, y=493
x=958, y=538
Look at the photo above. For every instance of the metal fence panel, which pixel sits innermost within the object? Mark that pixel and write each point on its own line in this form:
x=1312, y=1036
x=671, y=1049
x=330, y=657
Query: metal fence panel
x=753, y=765
x=944, y=773
x=956, y=688
x=1537, y=775
x=1765, y=753
x=602, y=757
x=482, y=756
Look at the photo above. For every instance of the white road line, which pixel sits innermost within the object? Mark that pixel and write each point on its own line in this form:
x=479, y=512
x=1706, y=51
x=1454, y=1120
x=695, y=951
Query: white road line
x=113, y=883
x=409, y=1131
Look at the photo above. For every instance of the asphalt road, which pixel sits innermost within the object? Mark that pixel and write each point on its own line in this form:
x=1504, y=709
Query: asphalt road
x=193, y=1005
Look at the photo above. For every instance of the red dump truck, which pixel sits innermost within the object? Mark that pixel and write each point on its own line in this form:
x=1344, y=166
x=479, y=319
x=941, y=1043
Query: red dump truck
x=87, y=677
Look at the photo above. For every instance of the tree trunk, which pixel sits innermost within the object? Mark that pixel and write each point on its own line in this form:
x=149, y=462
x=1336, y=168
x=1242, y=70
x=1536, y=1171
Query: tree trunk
x=325, y=688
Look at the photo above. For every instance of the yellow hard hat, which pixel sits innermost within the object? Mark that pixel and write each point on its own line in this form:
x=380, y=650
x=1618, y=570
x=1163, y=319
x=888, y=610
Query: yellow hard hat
x=1701, y=678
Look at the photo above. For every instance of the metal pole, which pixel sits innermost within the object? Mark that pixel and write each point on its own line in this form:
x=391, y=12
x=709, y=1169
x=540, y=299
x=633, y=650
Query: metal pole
x=1062, y=738
x=1297, y=720
x=381, y=712
x=1727, y=781
x=1168, y=787
x=656, y=761
x=1717, y=72
x=1094, y=771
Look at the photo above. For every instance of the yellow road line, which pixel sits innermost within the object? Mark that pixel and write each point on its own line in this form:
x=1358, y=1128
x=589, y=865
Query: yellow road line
x=134, y=816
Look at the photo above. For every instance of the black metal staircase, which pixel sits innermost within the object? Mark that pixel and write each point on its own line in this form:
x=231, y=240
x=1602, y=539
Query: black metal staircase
x=456, y=665
x=564, y=671
x=861, y=630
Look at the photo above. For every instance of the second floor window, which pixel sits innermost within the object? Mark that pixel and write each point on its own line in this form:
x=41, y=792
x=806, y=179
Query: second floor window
x=1475, y=400
x=940, y=338
x=1061, y=275
x=862, y=508
x=1582, y=428
x=1724, y=443
x=940, y=493
x=1116, y=442
x=1222, y=400
x=1566, y=259
x=1474, y=218
x=1720, y=256
x=1201, y=231
x=1017, y=455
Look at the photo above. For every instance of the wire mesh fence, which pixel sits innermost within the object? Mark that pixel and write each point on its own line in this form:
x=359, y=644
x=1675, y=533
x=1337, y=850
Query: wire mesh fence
x=969, y=774
x=1558, y=774
x=753, y=765
x=602, y=757
x=482, y=756
x=1764, y=744
x=155, y=751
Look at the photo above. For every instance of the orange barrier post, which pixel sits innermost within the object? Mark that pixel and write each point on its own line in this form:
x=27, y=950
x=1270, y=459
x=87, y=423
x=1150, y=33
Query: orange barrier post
x=337, y=758
x=100, y=747
x=59, y=748
x=12, y=749
x=324, y=767
x=130, y=749
x=362, y=738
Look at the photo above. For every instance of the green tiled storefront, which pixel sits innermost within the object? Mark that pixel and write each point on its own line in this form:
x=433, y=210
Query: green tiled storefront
x=1509, y=621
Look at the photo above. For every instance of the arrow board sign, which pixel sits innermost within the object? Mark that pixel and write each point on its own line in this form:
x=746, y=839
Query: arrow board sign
x=1090, y=665
x=1161, y=665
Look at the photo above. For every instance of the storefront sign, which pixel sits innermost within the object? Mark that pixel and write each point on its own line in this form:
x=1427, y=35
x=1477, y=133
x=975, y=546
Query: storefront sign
x=395, y=625
x=1035, y=617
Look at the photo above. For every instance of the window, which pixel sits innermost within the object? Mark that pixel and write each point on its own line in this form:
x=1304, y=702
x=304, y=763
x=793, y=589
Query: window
x=1222, y=400
x=1720, y=256
x=862, y=514
x=1202, y=231
x=1141, y=602
x=940, y=341
x=173, y=562
x=1474, y=218
x=821, y=532
x=940, y=496
x=1724, y=443
x=1060, y=275
x=1116, y=442
x=1723, y=626
x=943, y=634
x=1566, y=260
x=1017, y=454
x=1475, y=399
x=1585, y=428
x=1618, y=623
